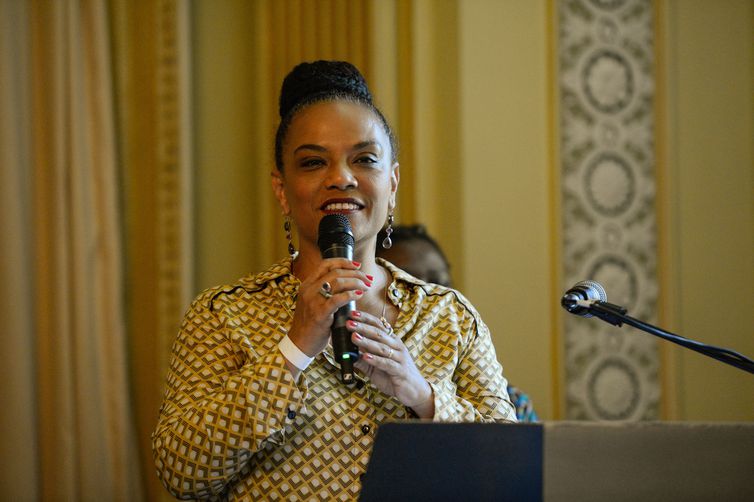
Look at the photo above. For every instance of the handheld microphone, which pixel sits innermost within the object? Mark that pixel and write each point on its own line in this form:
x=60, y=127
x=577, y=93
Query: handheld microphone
x=335, y=240
x=577, y=299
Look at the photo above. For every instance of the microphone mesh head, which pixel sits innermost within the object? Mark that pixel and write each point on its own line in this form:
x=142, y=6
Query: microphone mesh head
x=594, y=290
x=334, y=229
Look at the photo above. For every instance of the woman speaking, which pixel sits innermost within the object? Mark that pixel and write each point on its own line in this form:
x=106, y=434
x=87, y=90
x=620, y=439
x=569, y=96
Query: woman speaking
x=256, y=406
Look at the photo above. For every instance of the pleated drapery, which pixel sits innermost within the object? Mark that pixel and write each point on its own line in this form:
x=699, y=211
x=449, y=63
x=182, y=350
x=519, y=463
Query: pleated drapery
x=82, y=445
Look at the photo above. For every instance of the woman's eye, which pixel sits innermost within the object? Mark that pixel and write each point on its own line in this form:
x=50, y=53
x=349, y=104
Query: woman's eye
x=367, y=159
x=315, y=162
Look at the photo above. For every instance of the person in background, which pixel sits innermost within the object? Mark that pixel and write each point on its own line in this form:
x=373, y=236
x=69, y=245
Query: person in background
x=416, y=252
x=255, y=408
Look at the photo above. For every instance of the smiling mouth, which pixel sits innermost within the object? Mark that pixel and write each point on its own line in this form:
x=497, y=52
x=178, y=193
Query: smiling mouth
x=341, y=206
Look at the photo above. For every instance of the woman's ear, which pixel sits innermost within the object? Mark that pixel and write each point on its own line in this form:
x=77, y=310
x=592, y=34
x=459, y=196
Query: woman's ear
x=278, y=188
x=395, y=178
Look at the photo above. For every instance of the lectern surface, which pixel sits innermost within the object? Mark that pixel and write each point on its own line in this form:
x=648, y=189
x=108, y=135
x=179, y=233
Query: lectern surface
x=648, y=461
x=416, y=461
x=562, y=461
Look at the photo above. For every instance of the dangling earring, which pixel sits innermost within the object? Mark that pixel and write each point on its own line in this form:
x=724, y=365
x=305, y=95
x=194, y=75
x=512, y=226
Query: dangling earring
x=387, y=242
x=287, y=227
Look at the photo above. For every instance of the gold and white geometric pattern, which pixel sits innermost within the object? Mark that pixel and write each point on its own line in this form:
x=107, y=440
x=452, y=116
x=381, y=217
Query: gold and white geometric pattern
x=234, y=424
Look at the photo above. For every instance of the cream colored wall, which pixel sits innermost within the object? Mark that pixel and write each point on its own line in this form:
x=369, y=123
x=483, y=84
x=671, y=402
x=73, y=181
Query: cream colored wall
x=710, y=202
x=505, y=202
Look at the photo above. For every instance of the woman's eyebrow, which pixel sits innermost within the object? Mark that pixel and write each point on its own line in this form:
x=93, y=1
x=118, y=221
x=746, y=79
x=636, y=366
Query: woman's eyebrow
x=365, y=144
x=320, y=148
x=307, y=146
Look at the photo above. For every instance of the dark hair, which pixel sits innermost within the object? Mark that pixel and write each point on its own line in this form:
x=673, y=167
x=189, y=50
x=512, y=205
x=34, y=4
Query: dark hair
x=309, y=83
x=405, y=234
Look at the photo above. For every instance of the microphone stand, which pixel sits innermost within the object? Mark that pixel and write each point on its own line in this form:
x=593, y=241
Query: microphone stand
x=616, y=315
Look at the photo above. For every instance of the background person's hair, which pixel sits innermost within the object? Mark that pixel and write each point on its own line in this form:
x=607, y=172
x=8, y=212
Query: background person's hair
x=309, y=83
x=405, y=234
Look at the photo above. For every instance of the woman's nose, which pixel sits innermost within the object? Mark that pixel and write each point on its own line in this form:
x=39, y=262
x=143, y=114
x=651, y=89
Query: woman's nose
x=340, y=176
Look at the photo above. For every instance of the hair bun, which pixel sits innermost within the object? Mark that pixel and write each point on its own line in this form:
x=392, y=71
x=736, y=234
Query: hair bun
x=308, y=80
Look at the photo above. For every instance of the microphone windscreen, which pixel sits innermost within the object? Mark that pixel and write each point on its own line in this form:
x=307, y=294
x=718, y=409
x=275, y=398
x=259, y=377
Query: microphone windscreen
x=594, y=290
x=583, y=291
x=334, y=229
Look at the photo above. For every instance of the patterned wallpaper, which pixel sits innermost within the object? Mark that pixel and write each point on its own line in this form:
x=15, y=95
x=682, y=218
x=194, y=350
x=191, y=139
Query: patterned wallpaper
x=606, y=95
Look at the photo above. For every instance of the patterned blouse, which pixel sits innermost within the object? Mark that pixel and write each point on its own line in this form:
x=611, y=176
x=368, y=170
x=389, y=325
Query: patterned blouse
x=234, y=425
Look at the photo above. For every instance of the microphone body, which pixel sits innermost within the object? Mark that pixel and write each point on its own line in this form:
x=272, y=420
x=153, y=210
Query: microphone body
x=335, y=240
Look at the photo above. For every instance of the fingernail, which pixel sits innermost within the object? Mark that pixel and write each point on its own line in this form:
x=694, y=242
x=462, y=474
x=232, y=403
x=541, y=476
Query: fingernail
x=359, y=292
x=356, y=264
x=351, y=324
x=356, y=313
x=369, y=284
x=358, y=336
x=367, y=356
x=370, y=277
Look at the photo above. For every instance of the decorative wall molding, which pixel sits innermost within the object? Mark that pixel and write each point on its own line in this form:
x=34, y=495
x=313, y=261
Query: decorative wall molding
x=606, y=85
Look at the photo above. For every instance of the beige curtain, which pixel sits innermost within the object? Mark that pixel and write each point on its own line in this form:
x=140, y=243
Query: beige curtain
x=18, y=462
x=62, y=262
x=152, y=59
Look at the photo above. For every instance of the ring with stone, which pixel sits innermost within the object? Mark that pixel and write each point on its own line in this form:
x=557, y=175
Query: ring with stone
x=326, y=290
x=387, y=326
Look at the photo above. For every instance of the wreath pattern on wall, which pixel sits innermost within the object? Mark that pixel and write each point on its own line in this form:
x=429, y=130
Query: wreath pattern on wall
x=606, y=84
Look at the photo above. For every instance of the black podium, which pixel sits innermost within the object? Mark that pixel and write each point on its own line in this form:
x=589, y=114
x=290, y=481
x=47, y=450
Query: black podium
x=562, y=461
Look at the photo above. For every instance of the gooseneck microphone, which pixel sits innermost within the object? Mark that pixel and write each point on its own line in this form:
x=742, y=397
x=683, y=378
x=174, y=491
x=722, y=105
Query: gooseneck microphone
x=588, y=298
x=335, y=240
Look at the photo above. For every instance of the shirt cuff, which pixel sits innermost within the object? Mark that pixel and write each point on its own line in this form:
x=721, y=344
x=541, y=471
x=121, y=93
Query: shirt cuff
x=291, y=352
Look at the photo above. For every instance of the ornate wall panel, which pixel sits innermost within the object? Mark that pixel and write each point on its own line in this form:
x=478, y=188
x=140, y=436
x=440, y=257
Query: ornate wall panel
x=606, y=84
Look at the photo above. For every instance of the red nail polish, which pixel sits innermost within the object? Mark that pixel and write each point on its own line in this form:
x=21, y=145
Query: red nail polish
x=356, y=264
x=351, y=324
x=369, y=284
x=358, y=336
x=356, y=313
x=370, y=277
x=359, y=292
x=367, y=356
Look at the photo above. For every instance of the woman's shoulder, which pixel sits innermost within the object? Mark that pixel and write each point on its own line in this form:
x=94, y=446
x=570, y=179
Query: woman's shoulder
x=213, y=297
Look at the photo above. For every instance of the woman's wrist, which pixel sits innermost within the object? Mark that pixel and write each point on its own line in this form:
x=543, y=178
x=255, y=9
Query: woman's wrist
x=293, y=354
x=426, y=407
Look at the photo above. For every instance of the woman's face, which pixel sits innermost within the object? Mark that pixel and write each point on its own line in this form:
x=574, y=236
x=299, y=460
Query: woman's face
x=336, y=159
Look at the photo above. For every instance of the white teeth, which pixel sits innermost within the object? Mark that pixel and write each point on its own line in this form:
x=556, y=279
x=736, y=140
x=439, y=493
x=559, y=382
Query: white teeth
x=341, y=206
